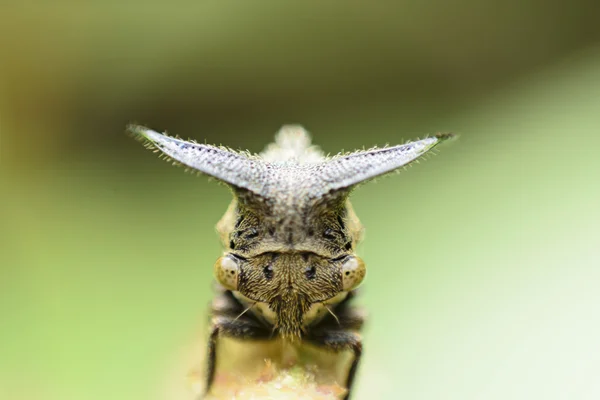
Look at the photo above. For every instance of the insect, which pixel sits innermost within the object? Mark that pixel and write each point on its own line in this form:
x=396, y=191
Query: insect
x=289, y=267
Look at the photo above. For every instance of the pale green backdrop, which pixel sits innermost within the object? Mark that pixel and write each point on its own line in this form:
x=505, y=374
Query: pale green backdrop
x=483, y=264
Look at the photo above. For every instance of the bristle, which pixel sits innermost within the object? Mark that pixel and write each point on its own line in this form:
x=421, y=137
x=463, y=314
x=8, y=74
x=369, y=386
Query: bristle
x=445, y=136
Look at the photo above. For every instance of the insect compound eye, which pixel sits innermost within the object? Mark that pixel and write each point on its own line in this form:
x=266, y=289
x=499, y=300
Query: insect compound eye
x=353, y=273
x=268, y=272
x=227, y=272
x=310, y=272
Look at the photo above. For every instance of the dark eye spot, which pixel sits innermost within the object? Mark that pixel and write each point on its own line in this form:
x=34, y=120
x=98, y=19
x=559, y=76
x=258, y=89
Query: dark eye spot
x=348, y=246
x=328, y=234
x=311, y=272
x=231, y=245
x=341, y=222
x=268, y=272
x=238, y=257
x=238, y=222
x=252, y=233
x=347, y=273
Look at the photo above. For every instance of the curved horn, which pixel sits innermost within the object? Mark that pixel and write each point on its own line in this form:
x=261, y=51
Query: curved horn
x=236, y=169
x=349, y=170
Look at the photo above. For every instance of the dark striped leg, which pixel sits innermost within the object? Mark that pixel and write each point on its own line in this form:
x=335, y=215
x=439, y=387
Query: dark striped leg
x=338, y=341
x=226, y=321
x=341, y=334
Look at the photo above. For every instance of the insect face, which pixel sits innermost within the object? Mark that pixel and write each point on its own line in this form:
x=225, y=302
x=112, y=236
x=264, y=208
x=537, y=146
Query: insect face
x=286, y=286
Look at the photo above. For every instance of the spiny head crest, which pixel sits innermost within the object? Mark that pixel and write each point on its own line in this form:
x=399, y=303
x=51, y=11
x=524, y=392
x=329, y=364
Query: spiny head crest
x=290, y=172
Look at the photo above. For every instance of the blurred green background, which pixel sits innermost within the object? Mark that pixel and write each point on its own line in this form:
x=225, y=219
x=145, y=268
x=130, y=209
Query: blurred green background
x=483, y=262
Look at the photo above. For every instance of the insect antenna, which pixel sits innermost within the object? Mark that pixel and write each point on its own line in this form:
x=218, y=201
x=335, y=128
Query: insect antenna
x=244, y=312
x=332, y=314
x=273, y=332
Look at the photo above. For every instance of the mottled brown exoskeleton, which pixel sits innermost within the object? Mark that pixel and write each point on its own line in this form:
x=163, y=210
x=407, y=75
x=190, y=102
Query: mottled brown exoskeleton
x=289, y=268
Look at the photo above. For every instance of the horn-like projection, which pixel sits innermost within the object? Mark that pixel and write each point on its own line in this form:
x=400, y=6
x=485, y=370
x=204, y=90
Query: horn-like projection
x=289, y=175
x=348, y=170
x=236, y=169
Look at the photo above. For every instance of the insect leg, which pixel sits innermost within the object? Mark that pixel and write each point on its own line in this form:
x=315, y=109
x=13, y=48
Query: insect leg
x=211, y=358
x=357, y=349
x=227, y=321
x=341, y=333
x=339, y=340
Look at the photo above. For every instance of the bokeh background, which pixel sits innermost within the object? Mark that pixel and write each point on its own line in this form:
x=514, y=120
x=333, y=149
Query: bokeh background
x=483, y=261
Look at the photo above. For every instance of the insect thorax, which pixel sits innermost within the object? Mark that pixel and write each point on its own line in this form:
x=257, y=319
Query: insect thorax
x=253, y=226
